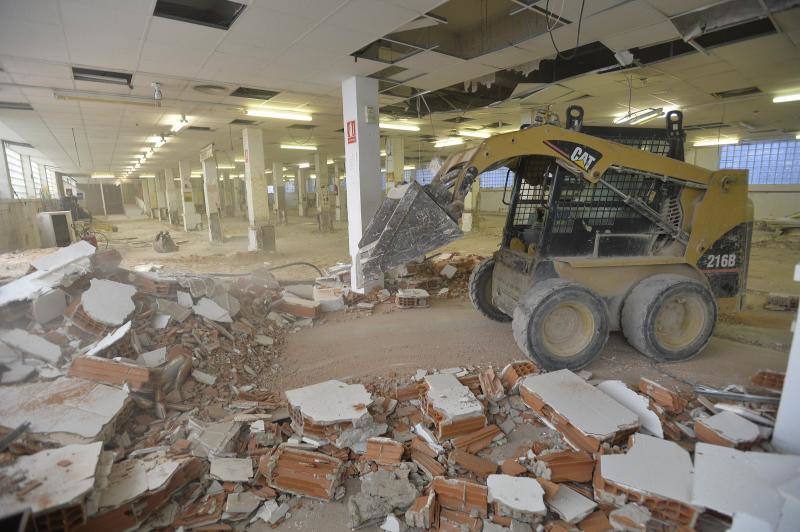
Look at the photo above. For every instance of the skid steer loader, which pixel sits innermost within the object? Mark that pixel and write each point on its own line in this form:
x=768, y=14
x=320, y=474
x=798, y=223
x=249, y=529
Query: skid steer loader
x=607, y=229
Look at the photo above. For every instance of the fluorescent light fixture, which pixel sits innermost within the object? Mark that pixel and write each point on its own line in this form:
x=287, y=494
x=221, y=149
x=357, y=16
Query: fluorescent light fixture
x=180, y=124
x=786, y=98
x=304, y=165
x=398, y=127
x=278, y=113
x=638, y=117
x=284, y=168
x=329, y=161
x=797, y=136
x=304, y=147
x=103, y=175
x=409, y=167
x=290, y=177
x=238, y=160
x=383, y=153
x=480, y=134
x=147, y=176
x=450, y=141
x=715, y=142
x=267, y=171
x=313, y=176
x=226, y=167
x=160, y=142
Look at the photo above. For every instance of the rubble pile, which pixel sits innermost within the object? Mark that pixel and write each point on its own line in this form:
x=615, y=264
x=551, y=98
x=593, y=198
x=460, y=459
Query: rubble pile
x=151, y=402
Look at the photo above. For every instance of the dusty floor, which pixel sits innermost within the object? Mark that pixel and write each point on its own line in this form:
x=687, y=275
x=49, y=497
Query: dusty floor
x=449, y=333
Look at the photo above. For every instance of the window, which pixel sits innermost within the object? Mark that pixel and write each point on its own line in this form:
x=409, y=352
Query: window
x=769, y=163
x=51, y=182
x=37, y=179
x=14, y=160
x=496, y=178
x=424, y=176
x=289, y=186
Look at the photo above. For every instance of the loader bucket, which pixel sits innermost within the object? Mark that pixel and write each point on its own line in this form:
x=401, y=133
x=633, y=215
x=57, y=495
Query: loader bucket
x=409, y=223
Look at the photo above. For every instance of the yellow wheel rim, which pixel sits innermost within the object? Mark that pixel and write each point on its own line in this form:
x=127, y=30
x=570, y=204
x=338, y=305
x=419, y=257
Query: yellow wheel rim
x=680, y=321
x=568, y=329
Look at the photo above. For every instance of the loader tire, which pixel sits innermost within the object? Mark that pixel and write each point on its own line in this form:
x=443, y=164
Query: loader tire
x=561, y=324
x=480, y=292
x=669, y=318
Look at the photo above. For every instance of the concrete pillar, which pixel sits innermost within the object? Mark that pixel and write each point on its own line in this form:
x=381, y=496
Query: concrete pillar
x=325, y=213
x=321, y=170
x=280, y=191
x=469, y=220
x=173, y=196
x=255, y=182
x=300, y=182
x=236, y=198
x=154, y=207
x=148, y=208
x=211, y=190
x=337, y=187
x=395, y=160
x=362, y=165
x=103, y=199
x=191, y=219
x=60, y=184
x=786, y=435
x=224, y=197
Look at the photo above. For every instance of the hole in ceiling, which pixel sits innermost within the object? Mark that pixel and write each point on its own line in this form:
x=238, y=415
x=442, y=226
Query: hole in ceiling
x=243, y=122
x=213, y=90
x=199, y=128
x=733, y=93
x=102, y=76
x=709, y=125
x=388, y=72
x=458, y=120
x=255, y=94
x=218, y=14
x=17, y=106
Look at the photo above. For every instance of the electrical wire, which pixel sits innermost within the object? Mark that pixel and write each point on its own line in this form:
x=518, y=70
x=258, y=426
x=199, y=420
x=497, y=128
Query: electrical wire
x=577, y=38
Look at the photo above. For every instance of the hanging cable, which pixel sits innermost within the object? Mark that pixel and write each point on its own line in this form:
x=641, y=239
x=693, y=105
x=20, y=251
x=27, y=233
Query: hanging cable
x=552, y=39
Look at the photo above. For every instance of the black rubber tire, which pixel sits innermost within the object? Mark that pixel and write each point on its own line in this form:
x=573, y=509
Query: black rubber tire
x=480, y=292
x=535, y=307
x=641, y=309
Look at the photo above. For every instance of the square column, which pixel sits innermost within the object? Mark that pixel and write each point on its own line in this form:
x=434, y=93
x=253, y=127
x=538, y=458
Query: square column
x=469, y=219
x=255, y=183
x=161, y=196
x=148, y=210
x=151, y=188
x=300, y=181
x=324, y=199
x=173, y=204
x=362, y=165
x=191, y=219
x=236, y=198
x=280, y=191
x=338, y=190
x=211, y=190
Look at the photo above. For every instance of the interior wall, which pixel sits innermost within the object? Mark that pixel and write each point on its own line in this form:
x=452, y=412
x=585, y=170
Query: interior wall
x=18, y=220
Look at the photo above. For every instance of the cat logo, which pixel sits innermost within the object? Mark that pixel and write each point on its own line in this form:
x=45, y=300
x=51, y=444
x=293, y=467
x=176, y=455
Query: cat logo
x=583, y=156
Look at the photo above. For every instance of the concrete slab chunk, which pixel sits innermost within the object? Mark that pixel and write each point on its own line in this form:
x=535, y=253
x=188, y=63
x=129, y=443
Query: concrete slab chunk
x=65, y=410
x=109, y=340
x=209, y=309
x=726, y=428
x=652, y=466
x=32, y=345
x=232, y=469
x=331, y=402
x=570, y=505
x=451, y=398
x=153, y=359
x=730, y=481
x=518, y=497
x=58, y=486
x=242, y=503
x=108, y=302
x=63, y=256
x=49, y=306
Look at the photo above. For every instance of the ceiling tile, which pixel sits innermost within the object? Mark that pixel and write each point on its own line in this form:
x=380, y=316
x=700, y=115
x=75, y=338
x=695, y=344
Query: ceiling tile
x=378, y=15
x=37, y=40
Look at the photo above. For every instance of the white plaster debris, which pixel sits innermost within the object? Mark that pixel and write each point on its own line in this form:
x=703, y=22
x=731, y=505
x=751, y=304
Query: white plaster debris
x=651, y=465
x=7, y=354
x=423, y=432
x=38, y=282
x=570, y=505
x=211, y=310
x=262, y=339
x=790, y=513
x=159, y=321
x=451, y=398
x=242, y=503
x=732, y=427
x=65, y=410
x=17, y=371
x=635, y=402
x=153, y=359
x=185, y=299
x=221, y=297
x=448, y=271
x=64, y=256
x=48, y=306
x=133, y=478
x=174, y=310
x=588, y=409
x=518, y=496
x=729, y=481
x=60, y=486
x=203, y=377
x=232, y=469
x=630, y=513
x=110, y=339
x=393, y=524
x=213, y=439
x=272, y=512
x=32, y=345
x=331, y=402
x=108, y=302
x=328, y=302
